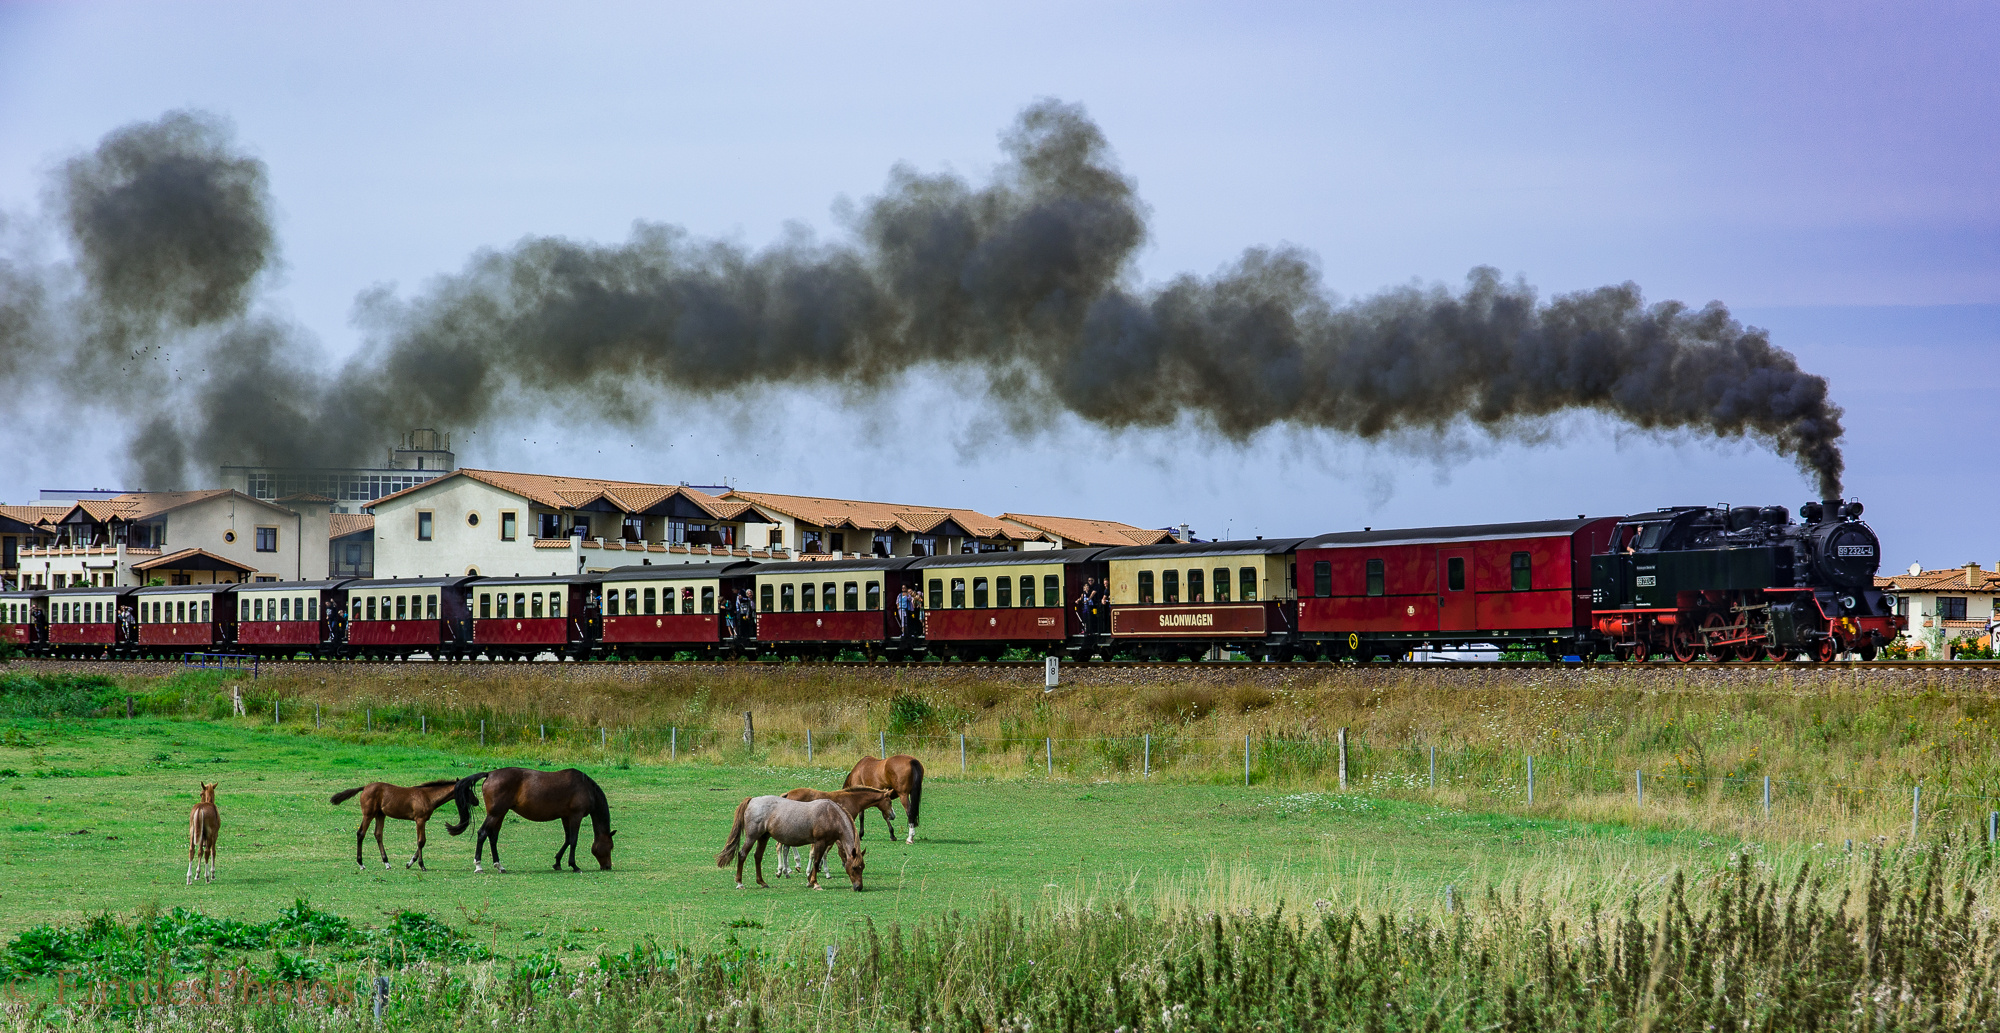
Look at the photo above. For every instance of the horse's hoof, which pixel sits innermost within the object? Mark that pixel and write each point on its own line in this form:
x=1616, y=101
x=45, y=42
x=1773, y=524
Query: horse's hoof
x=739, y=885
x=385, y=866
x=476, y=868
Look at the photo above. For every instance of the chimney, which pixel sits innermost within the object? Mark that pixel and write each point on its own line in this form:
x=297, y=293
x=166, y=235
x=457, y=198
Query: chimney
x=1186, y=535
x=1973, y=577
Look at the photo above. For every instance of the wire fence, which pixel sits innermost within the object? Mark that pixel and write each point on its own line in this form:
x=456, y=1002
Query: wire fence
x=1341, y=761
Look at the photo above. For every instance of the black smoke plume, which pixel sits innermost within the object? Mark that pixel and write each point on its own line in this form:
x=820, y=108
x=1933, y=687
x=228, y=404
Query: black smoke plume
x=1024, y=282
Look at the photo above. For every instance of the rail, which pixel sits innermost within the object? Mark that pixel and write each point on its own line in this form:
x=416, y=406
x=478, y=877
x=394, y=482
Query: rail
x=241, y=662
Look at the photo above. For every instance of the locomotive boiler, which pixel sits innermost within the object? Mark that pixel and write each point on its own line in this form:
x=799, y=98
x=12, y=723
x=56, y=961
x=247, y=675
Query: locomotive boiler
x=1742, y=583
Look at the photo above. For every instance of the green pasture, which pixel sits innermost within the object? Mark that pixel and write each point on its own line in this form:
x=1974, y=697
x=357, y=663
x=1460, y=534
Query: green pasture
x=93, y=819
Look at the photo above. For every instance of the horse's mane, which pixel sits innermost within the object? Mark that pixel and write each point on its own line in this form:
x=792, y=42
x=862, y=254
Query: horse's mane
x=600, y=805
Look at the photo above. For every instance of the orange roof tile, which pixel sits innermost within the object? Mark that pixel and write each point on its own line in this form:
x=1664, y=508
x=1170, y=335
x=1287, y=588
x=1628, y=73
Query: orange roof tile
x=33, y=515
x=883, y=516
x=1085, y=531
x=557, y=492
x=136, y=506
x=1948, y=580
x=340, y=525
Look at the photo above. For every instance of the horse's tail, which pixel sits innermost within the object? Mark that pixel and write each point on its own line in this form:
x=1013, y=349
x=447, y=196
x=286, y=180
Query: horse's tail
x=461, y=794
x=916, y=794
x=340, y=798
x=728, y=853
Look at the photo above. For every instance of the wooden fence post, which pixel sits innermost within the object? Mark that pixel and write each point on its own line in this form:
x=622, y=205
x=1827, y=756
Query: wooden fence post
x=1343, y=759
x=749, y=730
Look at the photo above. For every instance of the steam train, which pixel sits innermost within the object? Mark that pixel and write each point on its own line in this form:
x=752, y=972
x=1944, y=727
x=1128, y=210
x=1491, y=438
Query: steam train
x=1687, y=582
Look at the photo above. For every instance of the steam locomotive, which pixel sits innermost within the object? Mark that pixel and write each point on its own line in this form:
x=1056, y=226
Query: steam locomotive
x=1743, y=583
x=1711, y=583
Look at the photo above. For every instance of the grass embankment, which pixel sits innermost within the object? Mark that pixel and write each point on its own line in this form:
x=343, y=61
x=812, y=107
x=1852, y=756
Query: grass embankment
x=1843, y=748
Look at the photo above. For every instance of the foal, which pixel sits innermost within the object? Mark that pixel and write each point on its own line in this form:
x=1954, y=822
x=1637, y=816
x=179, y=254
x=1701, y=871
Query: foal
x=853, y=801
x=381, y=801
x=204, y=824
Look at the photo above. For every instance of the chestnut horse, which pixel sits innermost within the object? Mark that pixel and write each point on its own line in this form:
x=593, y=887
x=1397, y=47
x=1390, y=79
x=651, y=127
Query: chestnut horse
x=204, y=824
x=902, y=773
x=567, y=796
x=821, y=823
x=381, y=801
x=853, y=801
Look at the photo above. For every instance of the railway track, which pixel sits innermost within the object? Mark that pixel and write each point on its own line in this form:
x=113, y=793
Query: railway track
x=1319, y=665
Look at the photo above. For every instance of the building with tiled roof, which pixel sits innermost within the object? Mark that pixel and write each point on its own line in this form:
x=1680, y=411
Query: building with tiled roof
x=1081, y=532
x=815, y=526
x=178, y=538
x=501, y=523
x=350, y=545
x=21, y=527
x=1942, y=605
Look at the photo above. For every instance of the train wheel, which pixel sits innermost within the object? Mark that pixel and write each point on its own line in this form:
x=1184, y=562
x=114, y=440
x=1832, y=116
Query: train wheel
x=1636, y=653
x=1755, y=651
x=1826, y=650
x=1711, y=627
x=1683, y=644
x=1867, y=651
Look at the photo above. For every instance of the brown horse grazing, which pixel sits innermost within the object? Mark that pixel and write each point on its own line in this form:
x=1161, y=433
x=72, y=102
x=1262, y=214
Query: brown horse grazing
x=821, y=823
x=902, y=773
x=853, y=801
x=204, y=824
x=567, y=796
x=381, y=801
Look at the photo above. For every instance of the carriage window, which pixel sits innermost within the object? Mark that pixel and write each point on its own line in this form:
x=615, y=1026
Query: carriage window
x=1003, y=592
x=1454, y=574
x=204, y=611
x=874, y=595
x=1145, y=586
x=707, y=599
x=555, y=604
x=786, y=597
x=180, y=612
x=611, y=603
x=651, y=600
x=312, y=608
x=826, y=596
x=1375, y=578
x=242, y=616
x=257, y=609
x=431, y=606
x=1322, y=578
x=357, y=611
x=937, y=594
x=402, y=609
x=520, y=605
x=1246, y=584
x=765, y=593
x=1170, y=586
x=631, y=600
x=485, y=605
x=535, y=603
x=1222, y=584
x=1051, y=590
x=1523, y=573
x=958, y=593
x=979, y=593
x=806, y=595
x=850, y=595
x=500, y=606
x=1194, y=586
x=284, y=609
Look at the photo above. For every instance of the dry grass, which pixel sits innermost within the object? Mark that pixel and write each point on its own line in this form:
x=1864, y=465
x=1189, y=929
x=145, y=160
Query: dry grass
x=1843, y=747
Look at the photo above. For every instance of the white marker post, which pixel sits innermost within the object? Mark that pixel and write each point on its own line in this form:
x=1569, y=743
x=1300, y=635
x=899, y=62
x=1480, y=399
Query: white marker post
x=1051, y=673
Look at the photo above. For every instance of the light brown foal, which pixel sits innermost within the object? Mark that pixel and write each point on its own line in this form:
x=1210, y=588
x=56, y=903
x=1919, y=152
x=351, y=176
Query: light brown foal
x=381, y=801
x=853, y=801
x=204, y=824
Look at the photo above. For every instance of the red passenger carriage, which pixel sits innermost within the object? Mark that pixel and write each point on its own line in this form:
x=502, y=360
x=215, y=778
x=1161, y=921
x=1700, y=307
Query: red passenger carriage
x=520, y=618
x=396, y=617
x=1383, y=593
x=285, y=618
x=662, y=610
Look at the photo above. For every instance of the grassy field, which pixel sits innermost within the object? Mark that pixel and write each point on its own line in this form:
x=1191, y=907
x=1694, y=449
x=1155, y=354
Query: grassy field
x=1185, y=901
x=96, y=820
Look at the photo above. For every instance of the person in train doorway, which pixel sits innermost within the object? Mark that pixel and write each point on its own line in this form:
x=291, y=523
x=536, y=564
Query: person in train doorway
x=1100, y=609
x=125, y=623
x=1083, y=608
x=903, y=613
x=916, y=611
x=746, y=614
x=728, y=617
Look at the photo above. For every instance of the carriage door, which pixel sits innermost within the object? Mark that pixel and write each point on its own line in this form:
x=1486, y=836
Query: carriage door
x=1454, y=585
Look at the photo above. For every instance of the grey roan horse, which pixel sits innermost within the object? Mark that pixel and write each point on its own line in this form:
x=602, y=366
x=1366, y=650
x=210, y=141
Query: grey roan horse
x=820, y=823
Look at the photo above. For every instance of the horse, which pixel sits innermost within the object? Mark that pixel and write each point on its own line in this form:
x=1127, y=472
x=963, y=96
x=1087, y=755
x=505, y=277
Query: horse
x=821, y=823
x=902, y=773
x=853, y=801
x=381, y=801
x=565, y=795
x=204, y=824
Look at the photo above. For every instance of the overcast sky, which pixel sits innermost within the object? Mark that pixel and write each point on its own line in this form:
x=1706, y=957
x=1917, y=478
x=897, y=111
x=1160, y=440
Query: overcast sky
x=1828, y=171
